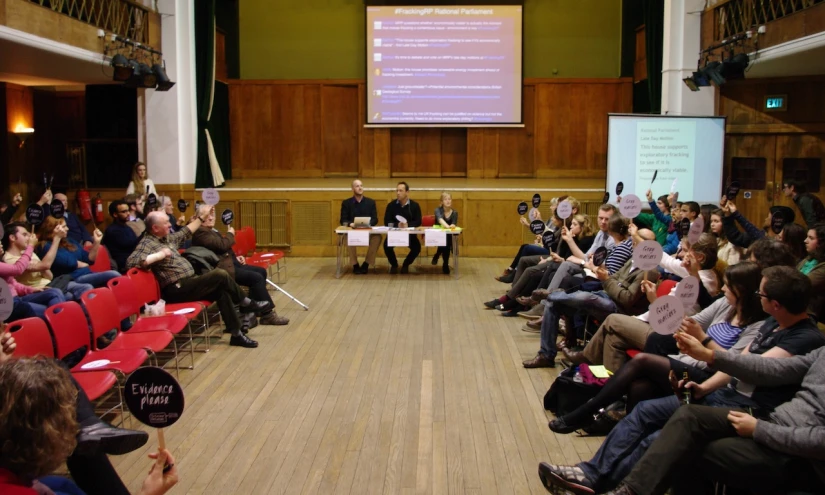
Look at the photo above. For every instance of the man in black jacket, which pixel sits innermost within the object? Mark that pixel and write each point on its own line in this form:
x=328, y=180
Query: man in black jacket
x=409, y=210
x=813, y=212
x=360, y=206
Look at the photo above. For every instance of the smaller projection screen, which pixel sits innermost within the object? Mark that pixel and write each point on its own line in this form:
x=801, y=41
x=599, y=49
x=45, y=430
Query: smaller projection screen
x=444, y=65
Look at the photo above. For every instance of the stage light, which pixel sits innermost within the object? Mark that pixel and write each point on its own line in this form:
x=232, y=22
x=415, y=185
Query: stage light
x=123, y=70
x=148, y=78
x=734, y=67
x=713, y=72
x=164, y=84
x=142, y=76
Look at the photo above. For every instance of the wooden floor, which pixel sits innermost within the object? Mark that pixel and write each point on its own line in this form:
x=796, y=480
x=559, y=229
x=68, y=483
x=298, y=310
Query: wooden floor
x=389, y=384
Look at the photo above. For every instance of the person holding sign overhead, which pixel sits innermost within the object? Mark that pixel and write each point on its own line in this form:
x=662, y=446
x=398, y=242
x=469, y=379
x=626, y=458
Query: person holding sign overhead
x=405, y=213
x=157, y=251
x=360, y=206
x=77, y=231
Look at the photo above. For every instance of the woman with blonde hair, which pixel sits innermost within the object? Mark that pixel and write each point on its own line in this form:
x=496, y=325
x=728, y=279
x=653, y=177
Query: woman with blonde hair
x=447, y=217
x=141, y=181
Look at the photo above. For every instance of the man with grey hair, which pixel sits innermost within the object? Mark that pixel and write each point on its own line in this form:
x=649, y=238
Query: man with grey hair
x=158, y=251
x=360, y=206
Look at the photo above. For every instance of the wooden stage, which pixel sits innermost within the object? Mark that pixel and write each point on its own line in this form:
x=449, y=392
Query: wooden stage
x=389, y=384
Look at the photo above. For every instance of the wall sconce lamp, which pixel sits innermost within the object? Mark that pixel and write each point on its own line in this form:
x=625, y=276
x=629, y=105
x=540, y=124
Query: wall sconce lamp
x=23, y=133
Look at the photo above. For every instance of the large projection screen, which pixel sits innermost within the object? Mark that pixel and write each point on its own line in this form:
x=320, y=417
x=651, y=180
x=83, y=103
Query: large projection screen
x=687, y=150
x=444, y=66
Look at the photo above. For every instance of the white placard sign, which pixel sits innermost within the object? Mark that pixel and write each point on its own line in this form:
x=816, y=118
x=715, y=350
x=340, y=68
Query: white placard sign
x=358, y=238
x=688, y=291
x=696, y=229
x=211, y=196
x=533, y=214
x=666, y=315
x=398, y=238
x=6, y=300
x=564, y=210
x=647, y=255
x=630, y=206
x=400, y=219
x=435, y=238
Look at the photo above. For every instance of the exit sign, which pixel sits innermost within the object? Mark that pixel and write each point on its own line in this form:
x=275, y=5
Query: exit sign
x=776, y=103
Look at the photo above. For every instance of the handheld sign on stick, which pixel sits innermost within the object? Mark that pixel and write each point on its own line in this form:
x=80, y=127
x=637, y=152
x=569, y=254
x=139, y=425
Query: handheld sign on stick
x=536, y=200
x=522, y=208
x=227, y=216
x=732, y=191
x=154, y=398
x=666, y=315
x=655, y=174
x=34, y=215
x=630, y=206
x=57, y=208
x=606, y=197
x=537, y=227
x=152, y=202
x=533, y=214
x=619, y=188
x=564, y=210
x=647, y=255
x=777, y=222
x=599, y=256
x=182, y=205
x=6, y=300
x=684, y=227
x=696, y=229
x=547, y=239
x=687, y=291
x=211, y=196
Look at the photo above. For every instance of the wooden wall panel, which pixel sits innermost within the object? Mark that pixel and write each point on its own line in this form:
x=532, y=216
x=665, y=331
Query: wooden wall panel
x=314, y=129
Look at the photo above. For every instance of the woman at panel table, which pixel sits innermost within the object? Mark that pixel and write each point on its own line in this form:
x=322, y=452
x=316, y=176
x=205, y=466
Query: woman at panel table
x=140, y=181
x=447, y=217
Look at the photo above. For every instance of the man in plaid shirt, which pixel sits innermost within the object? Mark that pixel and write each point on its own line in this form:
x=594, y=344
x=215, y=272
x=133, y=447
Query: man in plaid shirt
x=158, y=251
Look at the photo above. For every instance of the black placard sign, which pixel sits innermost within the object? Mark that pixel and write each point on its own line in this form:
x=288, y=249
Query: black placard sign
x=57, y=208
x=536, y=200
x=732, y=191
x=182, y=205
x=154, y=397
x=655, y=174
x=548, y=238
x=606, y=197
x=522, y=208
x=227, y=216
x=152, y=202
x=777, y=222
x=684, y=228
x=599, y=256
x=34, y=214
x=619, y=188
x=537, y=227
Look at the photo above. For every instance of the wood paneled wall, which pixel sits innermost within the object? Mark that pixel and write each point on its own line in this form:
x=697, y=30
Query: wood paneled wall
x=315, y=129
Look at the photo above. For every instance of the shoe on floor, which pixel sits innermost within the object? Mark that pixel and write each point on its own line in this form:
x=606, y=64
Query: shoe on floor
x=405, y=268
x=533, y=313
x=492, y=304
x=573, y=356
x=435, y=258
x=365, y=268
x=106, y=438
x=531, y=327
x=526, y=301
x=445, y=269
x=242, y=341
x=356, y=269
x=393, y=269
x=273, y=319
x=569, y=478
x=254, y=306
x=248, y=322
x=540, y=361
x=539, y=295
x=507, y=279
x=559, y=425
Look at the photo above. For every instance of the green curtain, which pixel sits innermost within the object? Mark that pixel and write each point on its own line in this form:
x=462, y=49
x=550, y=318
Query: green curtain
x=654, y=18
x=213, y=165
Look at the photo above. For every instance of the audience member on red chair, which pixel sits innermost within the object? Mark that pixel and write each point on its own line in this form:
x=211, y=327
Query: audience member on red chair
x=27, y=299
x=119, y=238
x=71, y=258
x=253, y=277
x=158, y=251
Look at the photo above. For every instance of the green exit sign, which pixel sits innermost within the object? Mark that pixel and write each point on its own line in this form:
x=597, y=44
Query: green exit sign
x=776, y=103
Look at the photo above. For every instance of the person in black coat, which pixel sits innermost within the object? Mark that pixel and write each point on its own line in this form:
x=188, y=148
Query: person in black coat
x=409, y=210
x=360, y=206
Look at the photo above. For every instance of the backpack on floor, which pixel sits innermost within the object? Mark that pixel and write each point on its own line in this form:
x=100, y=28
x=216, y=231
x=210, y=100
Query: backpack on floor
x=567, y=394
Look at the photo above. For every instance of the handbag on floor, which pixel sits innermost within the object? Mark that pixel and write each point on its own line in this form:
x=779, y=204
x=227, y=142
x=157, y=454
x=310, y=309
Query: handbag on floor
x=568, y=393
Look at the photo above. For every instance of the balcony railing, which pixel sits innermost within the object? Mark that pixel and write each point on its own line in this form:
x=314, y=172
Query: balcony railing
x=733, y=17
x=123, y=17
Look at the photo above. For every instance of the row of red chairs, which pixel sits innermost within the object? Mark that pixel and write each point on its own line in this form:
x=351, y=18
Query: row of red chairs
x=246, y=244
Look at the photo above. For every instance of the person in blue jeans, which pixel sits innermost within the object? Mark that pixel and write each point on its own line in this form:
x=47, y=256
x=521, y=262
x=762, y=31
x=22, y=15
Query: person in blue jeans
x=71, y=258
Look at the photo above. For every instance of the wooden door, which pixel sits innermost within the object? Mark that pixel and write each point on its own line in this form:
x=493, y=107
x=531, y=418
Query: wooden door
x=751, y=160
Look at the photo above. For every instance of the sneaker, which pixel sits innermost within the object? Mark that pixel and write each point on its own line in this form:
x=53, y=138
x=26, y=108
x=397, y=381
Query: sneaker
x=568, y=478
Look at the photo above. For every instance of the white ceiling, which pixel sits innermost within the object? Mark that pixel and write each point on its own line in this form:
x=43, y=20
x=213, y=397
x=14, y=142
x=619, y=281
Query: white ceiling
x=809, y=61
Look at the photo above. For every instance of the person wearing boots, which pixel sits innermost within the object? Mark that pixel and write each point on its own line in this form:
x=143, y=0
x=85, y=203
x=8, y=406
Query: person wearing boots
x=409, y=210
x=447, y=217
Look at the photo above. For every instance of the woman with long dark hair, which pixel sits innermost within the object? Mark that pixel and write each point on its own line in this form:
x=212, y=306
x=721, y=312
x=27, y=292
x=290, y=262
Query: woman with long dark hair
x=794, y=236
x=813, y=266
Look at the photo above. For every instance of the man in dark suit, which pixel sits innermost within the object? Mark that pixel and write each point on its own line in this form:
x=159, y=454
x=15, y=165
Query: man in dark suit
x=360, y=206
x=409, y=210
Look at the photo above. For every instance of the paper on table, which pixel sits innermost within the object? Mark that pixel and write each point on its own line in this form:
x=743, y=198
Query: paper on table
x=381, y=228
x=358, y=238
x=435, y=238
x=397, y=238
x=600, y=371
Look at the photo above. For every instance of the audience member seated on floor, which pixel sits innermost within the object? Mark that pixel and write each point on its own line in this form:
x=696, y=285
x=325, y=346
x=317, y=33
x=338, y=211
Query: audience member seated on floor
x=77, y=231
x=811, y=207
x=27, y=300
x=730, y=323
x=360, y=206
x=579, y=237
x=135, y=221
x=537, y=248
x=621, y=293
x=157, y=251
x=574, y=272
x=794, y=236
x=659, y=217
x=446, y=217
x=250, y=276
x=72, y=259
x=784, y=294
x=38, y=274
x=119, y=238
x=409, y=210
x=728, y=252
x=40, y=429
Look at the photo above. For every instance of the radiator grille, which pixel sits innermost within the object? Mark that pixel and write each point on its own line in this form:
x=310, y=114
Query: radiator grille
x=269, y=219
x=312, y=222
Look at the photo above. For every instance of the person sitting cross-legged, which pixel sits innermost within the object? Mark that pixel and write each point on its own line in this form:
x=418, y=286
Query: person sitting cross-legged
x=158, y=251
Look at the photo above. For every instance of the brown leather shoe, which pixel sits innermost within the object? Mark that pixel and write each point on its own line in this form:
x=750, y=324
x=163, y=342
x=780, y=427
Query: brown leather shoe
x=273, y=319
x=540, y=361
x=539, y=295
x=573, y=356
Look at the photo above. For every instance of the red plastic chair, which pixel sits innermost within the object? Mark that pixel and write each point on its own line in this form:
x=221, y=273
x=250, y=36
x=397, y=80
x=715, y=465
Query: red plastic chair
x=665, y=287
x=631, y=353
x=71, y=332
x=99, y=304
x=273, y=257
x=33, y=339
x=129, y=306
x=103, y=262
x=428, y=220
